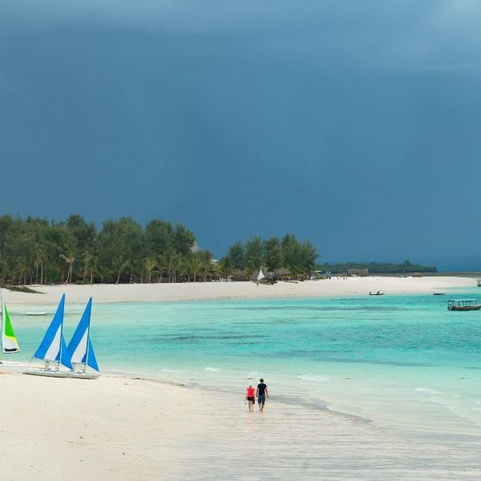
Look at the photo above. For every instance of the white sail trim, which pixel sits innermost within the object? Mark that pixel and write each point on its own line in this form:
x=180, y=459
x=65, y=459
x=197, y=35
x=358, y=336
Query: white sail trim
x=79, y=353
x=54, y=349
x=9, y=344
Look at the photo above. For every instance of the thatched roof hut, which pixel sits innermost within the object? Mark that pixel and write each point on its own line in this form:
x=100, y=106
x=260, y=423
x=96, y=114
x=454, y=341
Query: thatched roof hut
x=239, y=275
x=282, y=273
x=358, y=272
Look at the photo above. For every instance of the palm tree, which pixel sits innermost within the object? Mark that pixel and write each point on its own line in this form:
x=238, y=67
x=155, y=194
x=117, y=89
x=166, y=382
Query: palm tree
x=205, y=258
x=87, y=266
x=149, y=265
x=196, y=267
x=94, y=269
x=120, y=266
x=177, y=266
x=21, y=269
x=101, y=272
x=169, y=261
x=40, y=257
x=69, y=261
x=225, y=267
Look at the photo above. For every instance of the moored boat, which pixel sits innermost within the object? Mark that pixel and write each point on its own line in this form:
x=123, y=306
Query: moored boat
x=83, y=358
x=77, y=360
x=463, y=305
x=53, y=349
x=9, y=343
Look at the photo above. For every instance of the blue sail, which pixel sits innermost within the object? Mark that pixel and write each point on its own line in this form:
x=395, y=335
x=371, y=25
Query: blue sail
x=91, y=359
x=53, y=346
x=80, y=347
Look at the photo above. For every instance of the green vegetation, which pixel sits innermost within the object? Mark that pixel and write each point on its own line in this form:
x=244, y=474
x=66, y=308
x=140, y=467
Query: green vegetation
x=271, y=254
x=34, y=251
x=376, y=268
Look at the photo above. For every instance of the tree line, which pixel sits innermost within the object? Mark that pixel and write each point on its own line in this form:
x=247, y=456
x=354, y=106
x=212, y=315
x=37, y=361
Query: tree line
x=36, y=251
x=377, y=267
x=299, y=258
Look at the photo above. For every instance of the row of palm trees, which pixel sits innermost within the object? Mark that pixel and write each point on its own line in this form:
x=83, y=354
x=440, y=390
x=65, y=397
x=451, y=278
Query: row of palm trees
x=172, y=267
x=166, y=267
x=34, y=251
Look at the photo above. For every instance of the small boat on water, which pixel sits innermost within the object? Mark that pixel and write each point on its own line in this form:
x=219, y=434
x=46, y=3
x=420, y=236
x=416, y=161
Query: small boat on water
x=35, y=313
x=378, y=293
x=463, y=305
x=478, y=282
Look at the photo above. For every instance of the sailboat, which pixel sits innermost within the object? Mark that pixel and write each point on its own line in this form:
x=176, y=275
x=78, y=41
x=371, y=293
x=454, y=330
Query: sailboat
x=261, y=278
x=82, y=355
x=53, y=349
x=9, y=340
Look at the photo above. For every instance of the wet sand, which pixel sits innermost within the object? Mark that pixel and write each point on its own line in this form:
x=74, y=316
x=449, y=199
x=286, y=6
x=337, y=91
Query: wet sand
x=123, y=428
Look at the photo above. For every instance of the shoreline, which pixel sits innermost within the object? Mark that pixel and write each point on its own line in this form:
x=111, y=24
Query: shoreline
x=126, y=426
x=122, y=428
x=197, y=291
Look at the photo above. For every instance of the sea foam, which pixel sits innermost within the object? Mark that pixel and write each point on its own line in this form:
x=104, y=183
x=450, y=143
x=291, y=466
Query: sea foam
x=309, y=378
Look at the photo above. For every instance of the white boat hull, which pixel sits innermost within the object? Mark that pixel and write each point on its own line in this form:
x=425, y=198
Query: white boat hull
x=41, y=372
x=63, y=374
x=84, y=375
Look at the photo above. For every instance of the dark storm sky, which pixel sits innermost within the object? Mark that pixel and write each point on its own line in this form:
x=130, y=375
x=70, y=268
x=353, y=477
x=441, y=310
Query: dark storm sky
x=353, y=124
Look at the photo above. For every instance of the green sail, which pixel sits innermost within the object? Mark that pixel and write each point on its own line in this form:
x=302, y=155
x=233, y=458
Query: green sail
x=9, y=340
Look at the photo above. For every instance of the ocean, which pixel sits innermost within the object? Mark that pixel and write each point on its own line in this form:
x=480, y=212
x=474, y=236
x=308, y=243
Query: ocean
x=403, y=362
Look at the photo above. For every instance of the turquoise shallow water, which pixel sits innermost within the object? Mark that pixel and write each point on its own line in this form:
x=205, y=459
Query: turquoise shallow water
x=403, y=361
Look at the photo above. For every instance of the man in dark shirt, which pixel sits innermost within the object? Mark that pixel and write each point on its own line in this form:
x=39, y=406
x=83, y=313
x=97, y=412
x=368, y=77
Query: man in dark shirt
x=261, y=394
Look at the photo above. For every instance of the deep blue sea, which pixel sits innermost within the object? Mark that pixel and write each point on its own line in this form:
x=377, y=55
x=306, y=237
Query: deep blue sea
x=395, y=360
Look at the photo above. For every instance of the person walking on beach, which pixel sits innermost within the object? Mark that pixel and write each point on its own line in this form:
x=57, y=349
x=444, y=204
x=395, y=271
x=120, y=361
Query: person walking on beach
x=261, y=394
x=250, y=396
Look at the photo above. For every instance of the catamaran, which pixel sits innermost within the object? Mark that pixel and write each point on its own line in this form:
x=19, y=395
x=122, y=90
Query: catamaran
x=9, y=340
x=82, y=355
x=53, y=349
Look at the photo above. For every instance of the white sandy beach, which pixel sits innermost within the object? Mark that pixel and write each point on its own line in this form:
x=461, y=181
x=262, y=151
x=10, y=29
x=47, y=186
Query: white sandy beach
x=130, y=429
x=334, y=287
x=121, y=428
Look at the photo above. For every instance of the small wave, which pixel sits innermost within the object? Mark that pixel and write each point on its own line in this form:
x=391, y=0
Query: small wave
x=307, y=377
x=425, y=389
x=211, y=369
x=169, y=370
